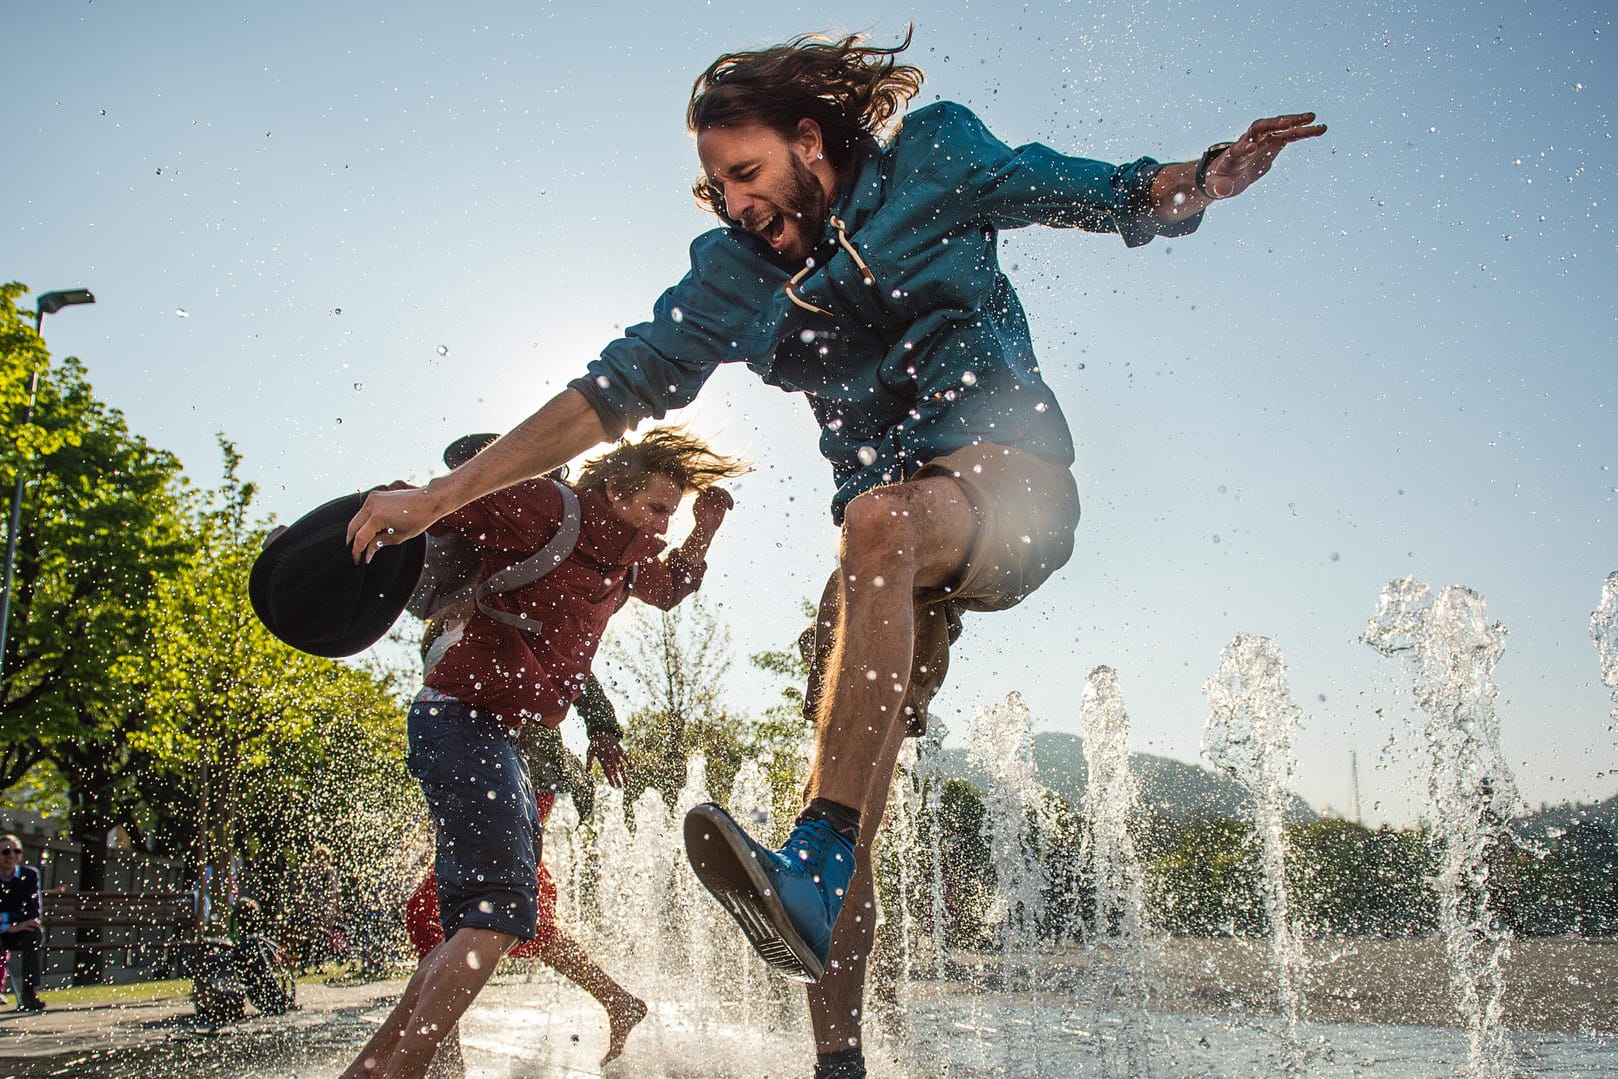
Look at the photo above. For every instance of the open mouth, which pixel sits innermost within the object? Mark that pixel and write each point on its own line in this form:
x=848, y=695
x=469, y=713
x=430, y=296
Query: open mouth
x=772, y=229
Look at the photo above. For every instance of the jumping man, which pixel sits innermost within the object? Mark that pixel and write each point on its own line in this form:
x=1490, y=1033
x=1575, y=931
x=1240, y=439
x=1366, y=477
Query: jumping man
x=857, y=265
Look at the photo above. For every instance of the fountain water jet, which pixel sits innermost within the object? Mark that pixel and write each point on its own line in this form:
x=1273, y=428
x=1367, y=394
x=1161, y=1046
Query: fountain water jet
x=1016, y=811
x=1604, y=631
x=1471, y=790
x=1111, y=800
x=1249, y=735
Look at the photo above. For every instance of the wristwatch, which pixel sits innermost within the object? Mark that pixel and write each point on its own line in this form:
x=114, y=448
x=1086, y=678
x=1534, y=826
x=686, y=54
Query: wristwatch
x=1207, y=158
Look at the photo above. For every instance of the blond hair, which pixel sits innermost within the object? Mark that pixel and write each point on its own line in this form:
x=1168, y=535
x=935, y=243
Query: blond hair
x=662, y=451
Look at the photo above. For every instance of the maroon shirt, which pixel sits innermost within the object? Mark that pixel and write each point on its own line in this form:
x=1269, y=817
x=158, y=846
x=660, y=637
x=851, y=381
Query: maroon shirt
x=521, y=674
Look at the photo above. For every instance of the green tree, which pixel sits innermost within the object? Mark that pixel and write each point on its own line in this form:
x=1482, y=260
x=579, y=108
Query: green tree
x=261, y=748
x=1350, y=880
x=101, y=527
x=676, y=662
x=1208, y=884
x=781, y=736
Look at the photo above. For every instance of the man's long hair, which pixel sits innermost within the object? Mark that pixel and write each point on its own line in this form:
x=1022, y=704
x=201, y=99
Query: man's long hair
x=663, y=451
x=852, y=90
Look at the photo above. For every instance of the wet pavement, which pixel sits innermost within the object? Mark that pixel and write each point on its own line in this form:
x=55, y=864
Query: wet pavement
x=163, y=1038
x=1376, y=1012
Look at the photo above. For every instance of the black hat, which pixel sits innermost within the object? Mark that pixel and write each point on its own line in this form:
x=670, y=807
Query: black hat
x=307, y=590
x=465, y=448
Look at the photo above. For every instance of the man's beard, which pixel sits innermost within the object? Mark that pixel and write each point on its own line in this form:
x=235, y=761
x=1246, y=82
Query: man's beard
x=805, y=199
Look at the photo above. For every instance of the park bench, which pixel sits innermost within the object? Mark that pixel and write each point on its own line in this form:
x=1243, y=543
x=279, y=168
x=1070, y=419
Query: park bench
x=130, y=929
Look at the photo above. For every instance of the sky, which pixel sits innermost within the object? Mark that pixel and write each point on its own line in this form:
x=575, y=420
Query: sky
x=343, y=235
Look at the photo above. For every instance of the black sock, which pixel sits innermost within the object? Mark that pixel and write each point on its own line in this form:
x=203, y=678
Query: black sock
x=843, y=1064
x=843, y=820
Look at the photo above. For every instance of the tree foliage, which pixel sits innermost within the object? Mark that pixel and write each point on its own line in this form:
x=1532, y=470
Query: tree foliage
x=101, y=526
x=265, y=747
x=675, y=663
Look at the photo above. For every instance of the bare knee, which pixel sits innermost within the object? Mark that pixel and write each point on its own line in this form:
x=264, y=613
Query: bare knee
x=879, y=539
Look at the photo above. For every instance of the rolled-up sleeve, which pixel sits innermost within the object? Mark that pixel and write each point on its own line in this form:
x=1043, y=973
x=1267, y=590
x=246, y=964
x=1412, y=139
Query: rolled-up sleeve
x=1036, y=185
x=665, y=582
x=720, y=312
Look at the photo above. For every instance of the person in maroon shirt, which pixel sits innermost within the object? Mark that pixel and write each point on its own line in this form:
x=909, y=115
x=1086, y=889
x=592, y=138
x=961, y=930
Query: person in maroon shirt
x=491, y=677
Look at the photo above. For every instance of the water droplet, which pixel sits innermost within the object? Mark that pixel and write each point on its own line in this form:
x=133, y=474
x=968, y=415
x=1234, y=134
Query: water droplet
x=603, y=381
x=181, y=312
x=337, y=310
x=676, y=314
x=867, y=455
x=339, y=419
x=968, y=378
x=443, y=350
x=807, y=337
x=1216, y=538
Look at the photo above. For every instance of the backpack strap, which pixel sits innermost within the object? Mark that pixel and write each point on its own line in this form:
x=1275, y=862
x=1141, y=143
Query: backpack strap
x=536, y=565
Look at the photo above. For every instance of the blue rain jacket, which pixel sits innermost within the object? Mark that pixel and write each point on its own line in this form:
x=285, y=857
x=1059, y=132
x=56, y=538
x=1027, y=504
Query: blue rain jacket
x=934, y=354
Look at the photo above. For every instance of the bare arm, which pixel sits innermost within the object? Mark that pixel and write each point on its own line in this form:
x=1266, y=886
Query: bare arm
x=565, y=427
x=708, y=513
x=1174, y=188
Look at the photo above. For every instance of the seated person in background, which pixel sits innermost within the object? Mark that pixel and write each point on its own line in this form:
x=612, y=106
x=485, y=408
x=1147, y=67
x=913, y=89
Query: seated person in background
x=21, y=932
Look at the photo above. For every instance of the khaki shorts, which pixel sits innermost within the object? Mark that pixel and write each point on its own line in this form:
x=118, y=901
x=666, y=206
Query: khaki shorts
x=1027, y=508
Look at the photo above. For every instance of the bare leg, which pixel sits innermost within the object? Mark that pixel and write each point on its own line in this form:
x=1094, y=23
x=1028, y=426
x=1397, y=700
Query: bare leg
x=448, y=1062
x=837, y=1001
x=444, y=985
x=568, y=958
x=895, y=540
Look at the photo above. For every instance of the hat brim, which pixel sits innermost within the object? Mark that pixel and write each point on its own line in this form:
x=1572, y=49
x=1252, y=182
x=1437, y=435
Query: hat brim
x=306, y=589
x=466, y=447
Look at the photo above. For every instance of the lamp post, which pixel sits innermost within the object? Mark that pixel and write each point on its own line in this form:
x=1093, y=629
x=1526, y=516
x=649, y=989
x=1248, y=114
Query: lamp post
x=48, y=304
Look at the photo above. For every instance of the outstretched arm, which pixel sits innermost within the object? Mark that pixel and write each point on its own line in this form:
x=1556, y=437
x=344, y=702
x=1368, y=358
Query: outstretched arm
x=1175, y=194
x=561, y=430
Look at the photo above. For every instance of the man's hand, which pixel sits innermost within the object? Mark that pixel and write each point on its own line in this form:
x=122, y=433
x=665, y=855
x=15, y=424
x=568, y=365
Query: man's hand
x=390, y=516
x=1251, y=156
x=710, y=508
x=605, y=747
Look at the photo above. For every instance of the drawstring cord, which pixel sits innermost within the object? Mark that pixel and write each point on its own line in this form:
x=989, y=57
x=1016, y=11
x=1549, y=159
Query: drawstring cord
x=842, y=241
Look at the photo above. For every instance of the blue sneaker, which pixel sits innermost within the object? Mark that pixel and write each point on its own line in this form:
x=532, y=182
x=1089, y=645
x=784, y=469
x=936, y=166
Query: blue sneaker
x=786, y=901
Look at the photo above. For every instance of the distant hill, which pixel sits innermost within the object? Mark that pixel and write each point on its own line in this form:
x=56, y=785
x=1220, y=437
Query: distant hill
x=1168, y=787
x=1551, y=821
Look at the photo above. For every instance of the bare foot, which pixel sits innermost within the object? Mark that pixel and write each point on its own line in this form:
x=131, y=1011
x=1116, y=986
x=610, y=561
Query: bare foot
x=621, y=1019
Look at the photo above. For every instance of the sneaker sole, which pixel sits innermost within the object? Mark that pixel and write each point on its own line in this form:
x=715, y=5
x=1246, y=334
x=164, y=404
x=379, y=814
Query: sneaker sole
x=723, y=861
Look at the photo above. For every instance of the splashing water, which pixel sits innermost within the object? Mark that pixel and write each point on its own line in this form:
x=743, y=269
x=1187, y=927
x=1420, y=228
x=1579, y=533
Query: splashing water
x=1249, y=735
x=1111, y=801
x=1016, y=810
x=1471, y=790
x=1604, y=631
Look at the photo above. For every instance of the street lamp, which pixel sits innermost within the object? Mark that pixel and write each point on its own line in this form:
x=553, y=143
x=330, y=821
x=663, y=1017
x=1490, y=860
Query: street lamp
x=48, y=304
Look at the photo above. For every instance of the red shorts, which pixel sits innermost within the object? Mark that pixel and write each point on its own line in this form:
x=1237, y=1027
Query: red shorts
x=426, y=932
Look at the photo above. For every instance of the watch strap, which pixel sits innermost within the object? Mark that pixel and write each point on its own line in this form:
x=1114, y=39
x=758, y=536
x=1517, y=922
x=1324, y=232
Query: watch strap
x=1208, y=155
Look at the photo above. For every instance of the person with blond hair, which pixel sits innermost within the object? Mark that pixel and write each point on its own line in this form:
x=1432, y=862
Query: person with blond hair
x=857, y=263
x=522, y=656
